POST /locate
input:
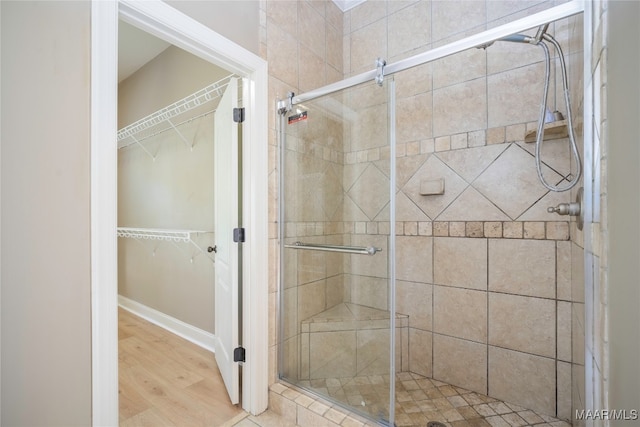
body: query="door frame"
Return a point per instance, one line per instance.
(167, 23)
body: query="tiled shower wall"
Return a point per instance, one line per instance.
(491, 282)
(302, 41)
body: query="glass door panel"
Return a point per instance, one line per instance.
(336, 330)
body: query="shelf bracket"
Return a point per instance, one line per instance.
(190, 146)
(144, 148)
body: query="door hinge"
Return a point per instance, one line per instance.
(239, 354)
(238, 235)
(238, 115)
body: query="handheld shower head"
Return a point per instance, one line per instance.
(518, 38)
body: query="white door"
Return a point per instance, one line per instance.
(226, 219)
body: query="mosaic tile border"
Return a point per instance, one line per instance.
(535, 230)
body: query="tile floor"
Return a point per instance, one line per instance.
(418, 401)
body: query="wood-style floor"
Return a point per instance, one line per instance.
(166, 380)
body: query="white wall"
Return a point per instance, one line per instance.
(46, 306)
(45, 218)
(236, 20)
(623, 189)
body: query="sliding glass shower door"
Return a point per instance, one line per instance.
(337, 330)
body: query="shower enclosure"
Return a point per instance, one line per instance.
(422, 277)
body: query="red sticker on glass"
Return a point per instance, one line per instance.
(298, 117)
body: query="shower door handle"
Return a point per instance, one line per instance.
(361, 250)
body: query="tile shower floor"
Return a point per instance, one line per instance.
(420, 400)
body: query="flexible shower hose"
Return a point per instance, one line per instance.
(543, 110)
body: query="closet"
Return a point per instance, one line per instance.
(167, 216)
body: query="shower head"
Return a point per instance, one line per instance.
(514, 38)
(521, 38)
(518, 38)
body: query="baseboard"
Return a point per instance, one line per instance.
(197, 336)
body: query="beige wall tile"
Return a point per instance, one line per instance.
(335, 290)
(366, 13)
(577, 333)
(414, 258)
(413, 81)
(367, 44)
(475, 229)
(407, 210)
(493, 229)
(369, 291)
(524, 267)
(416, 301)
(414, 118)
(503, 56)
(460, 108)
(432, 169)
(511, 182)
(512, 230)
(470, 162)
(366, 265)
(456, 229)
(409, 28)
(558, 230)
(311, 299)
(332, 354)
(523, 323)
(284, 14)
(523, 379)
(460, 262)
(334, 49)
(282, 63)
(312, 70)
(472, 206)
(311, 31)
(538, 211)
(446, 16)
(555, 154)
(459, 362)
(564, 331)
(460, 313)
(420, 352)
(563, 275)
(564, 391)
(459, 68)
(370, 130)
(370, 192)
(441, 228)
(534, 230)
(515, 132)
(514, 96)
(372, 352)
(577, 273)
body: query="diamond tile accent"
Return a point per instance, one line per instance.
(472, 206)
(538, 212)
(555, 153)
(370, 191)
(511, 182)
(434, 168)
(406, 210)
(470, 162)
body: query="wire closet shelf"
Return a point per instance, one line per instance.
(172, 236)
(129, 135)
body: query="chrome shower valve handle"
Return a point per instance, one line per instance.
(571, 209)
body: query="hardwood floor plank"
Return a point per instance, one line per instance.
(166, 380)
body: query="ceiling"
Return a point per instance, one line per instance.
(136, 48)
